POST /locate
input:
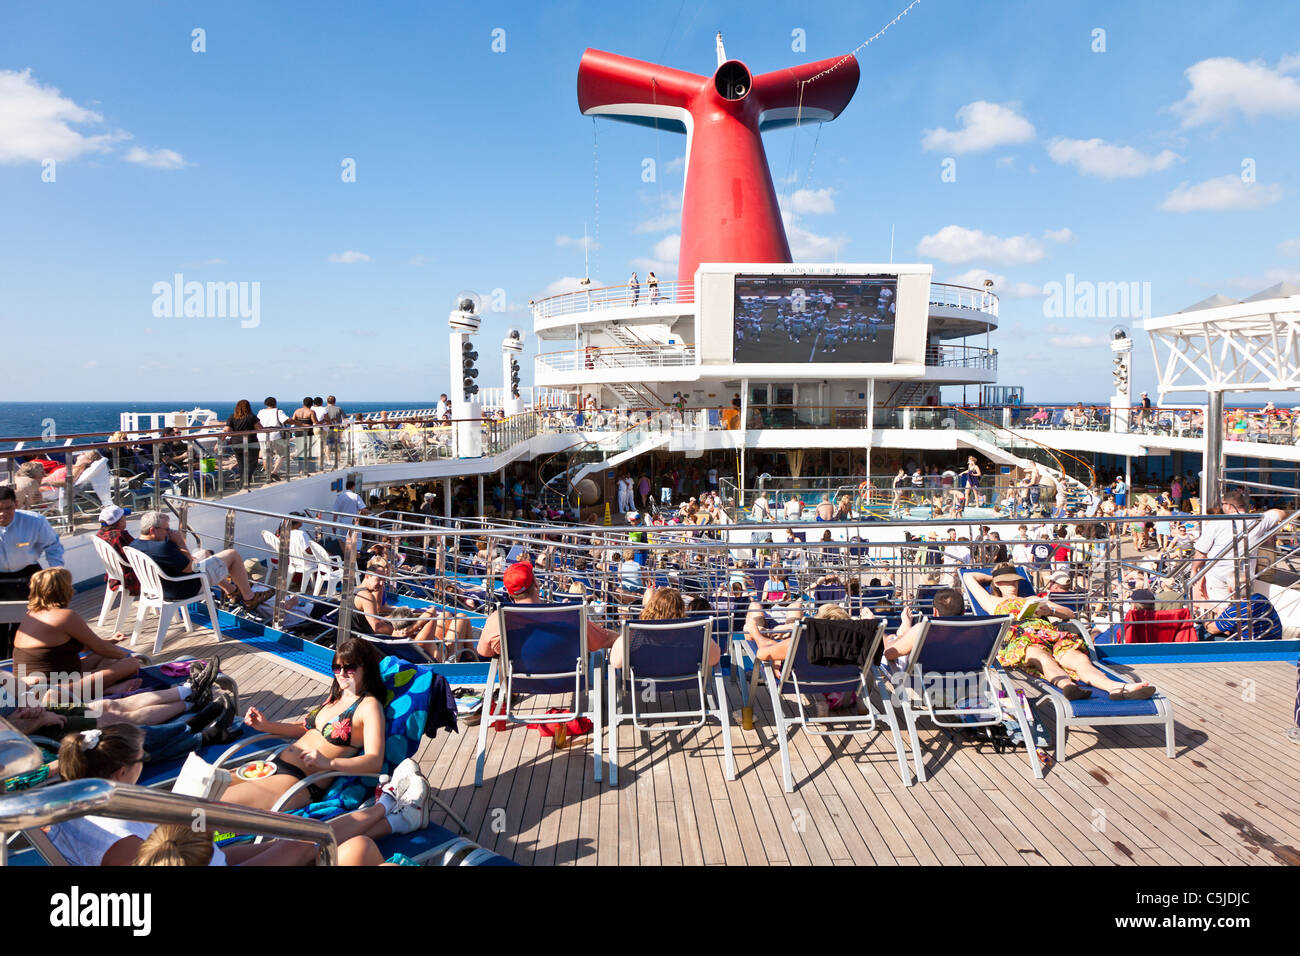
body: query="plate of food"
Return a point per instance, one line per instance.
(256, 770)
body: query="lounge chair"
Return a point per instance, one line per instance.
(800, 676)
(543, 651)
(953, 678)
(666, 655)
(1099, 709)
(406, 712)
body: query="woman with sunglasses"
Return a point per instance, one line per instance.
(346, 733)
(117, 752)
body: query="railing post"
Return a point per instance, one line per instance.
(194, 466)
(228, 538)
(220, 458)
(348, 588)
(114, 486)
(69, 487)
(157, 478)
(281, 576)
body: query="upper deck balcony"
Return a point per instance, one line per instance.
(955, 310)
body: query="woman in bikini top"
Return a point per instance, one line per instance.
(346, 733)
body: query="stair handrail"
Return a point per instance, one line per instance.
(1092, 473)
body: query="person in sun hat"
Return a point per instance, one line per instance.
(1059, 582)
(520, 584)
(112, 528)
(1035, 644)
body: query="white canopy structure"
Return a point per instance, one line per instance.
(1223, 345)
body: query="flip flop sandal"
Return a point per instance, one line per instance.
(1137, 693)
(1072, 690)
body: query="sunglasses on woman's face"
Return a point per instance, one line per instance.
(346, 669)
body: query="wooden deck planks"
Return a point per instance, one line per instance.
(1229, 797)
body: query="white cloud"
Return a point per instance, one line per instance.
(1096, 157)
(663, 257)
(419, 259)
(974, 278)
(1270, 277)
(349, 257)
(675, 165)
(36, 122)
(1059, 235)
(1289, 248)
(565, 284)
(1076, 341)
(1221, 86)
(958, 244)
(813, 201)
(812, 247)
(1005, 162)
(576, 241)
(984, 125)
(659, 223)
(157, 158)
(670, 216)
(1221, 194)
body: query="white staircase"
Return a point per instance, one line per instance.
(913, 393)
(636, 396)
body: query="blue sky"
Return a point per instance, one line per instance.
(474, 170)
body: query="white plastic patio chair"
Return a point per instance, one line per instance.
(116, 571)
(327, 570)
(151, 598)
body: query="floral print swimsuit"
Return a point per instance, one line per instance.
(1031, 631)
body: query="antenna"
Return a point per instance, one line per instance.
(722, 52)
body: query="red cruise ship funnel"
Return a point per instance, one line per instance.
(729, 209)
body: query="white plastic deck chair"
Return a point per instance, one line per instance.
(666, 655)
(802, 677)
(952, 677)
(151, 598)
(301, 562)
(543, 651)
(328, 570)
(272, 542)
(116, 571)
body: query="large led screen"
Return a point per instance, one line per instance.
(791, 318)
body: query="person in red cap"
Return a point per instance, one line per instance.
(521, 585)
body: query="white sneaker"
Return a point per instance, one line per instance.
(403, 779)
(408, 817)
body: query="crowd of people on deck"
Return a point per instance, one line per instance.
(54, 648)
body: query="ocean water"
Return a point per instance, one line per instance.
(57, 419)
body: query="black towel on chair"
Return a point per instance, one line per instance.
(442, 708)
(833, 643)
